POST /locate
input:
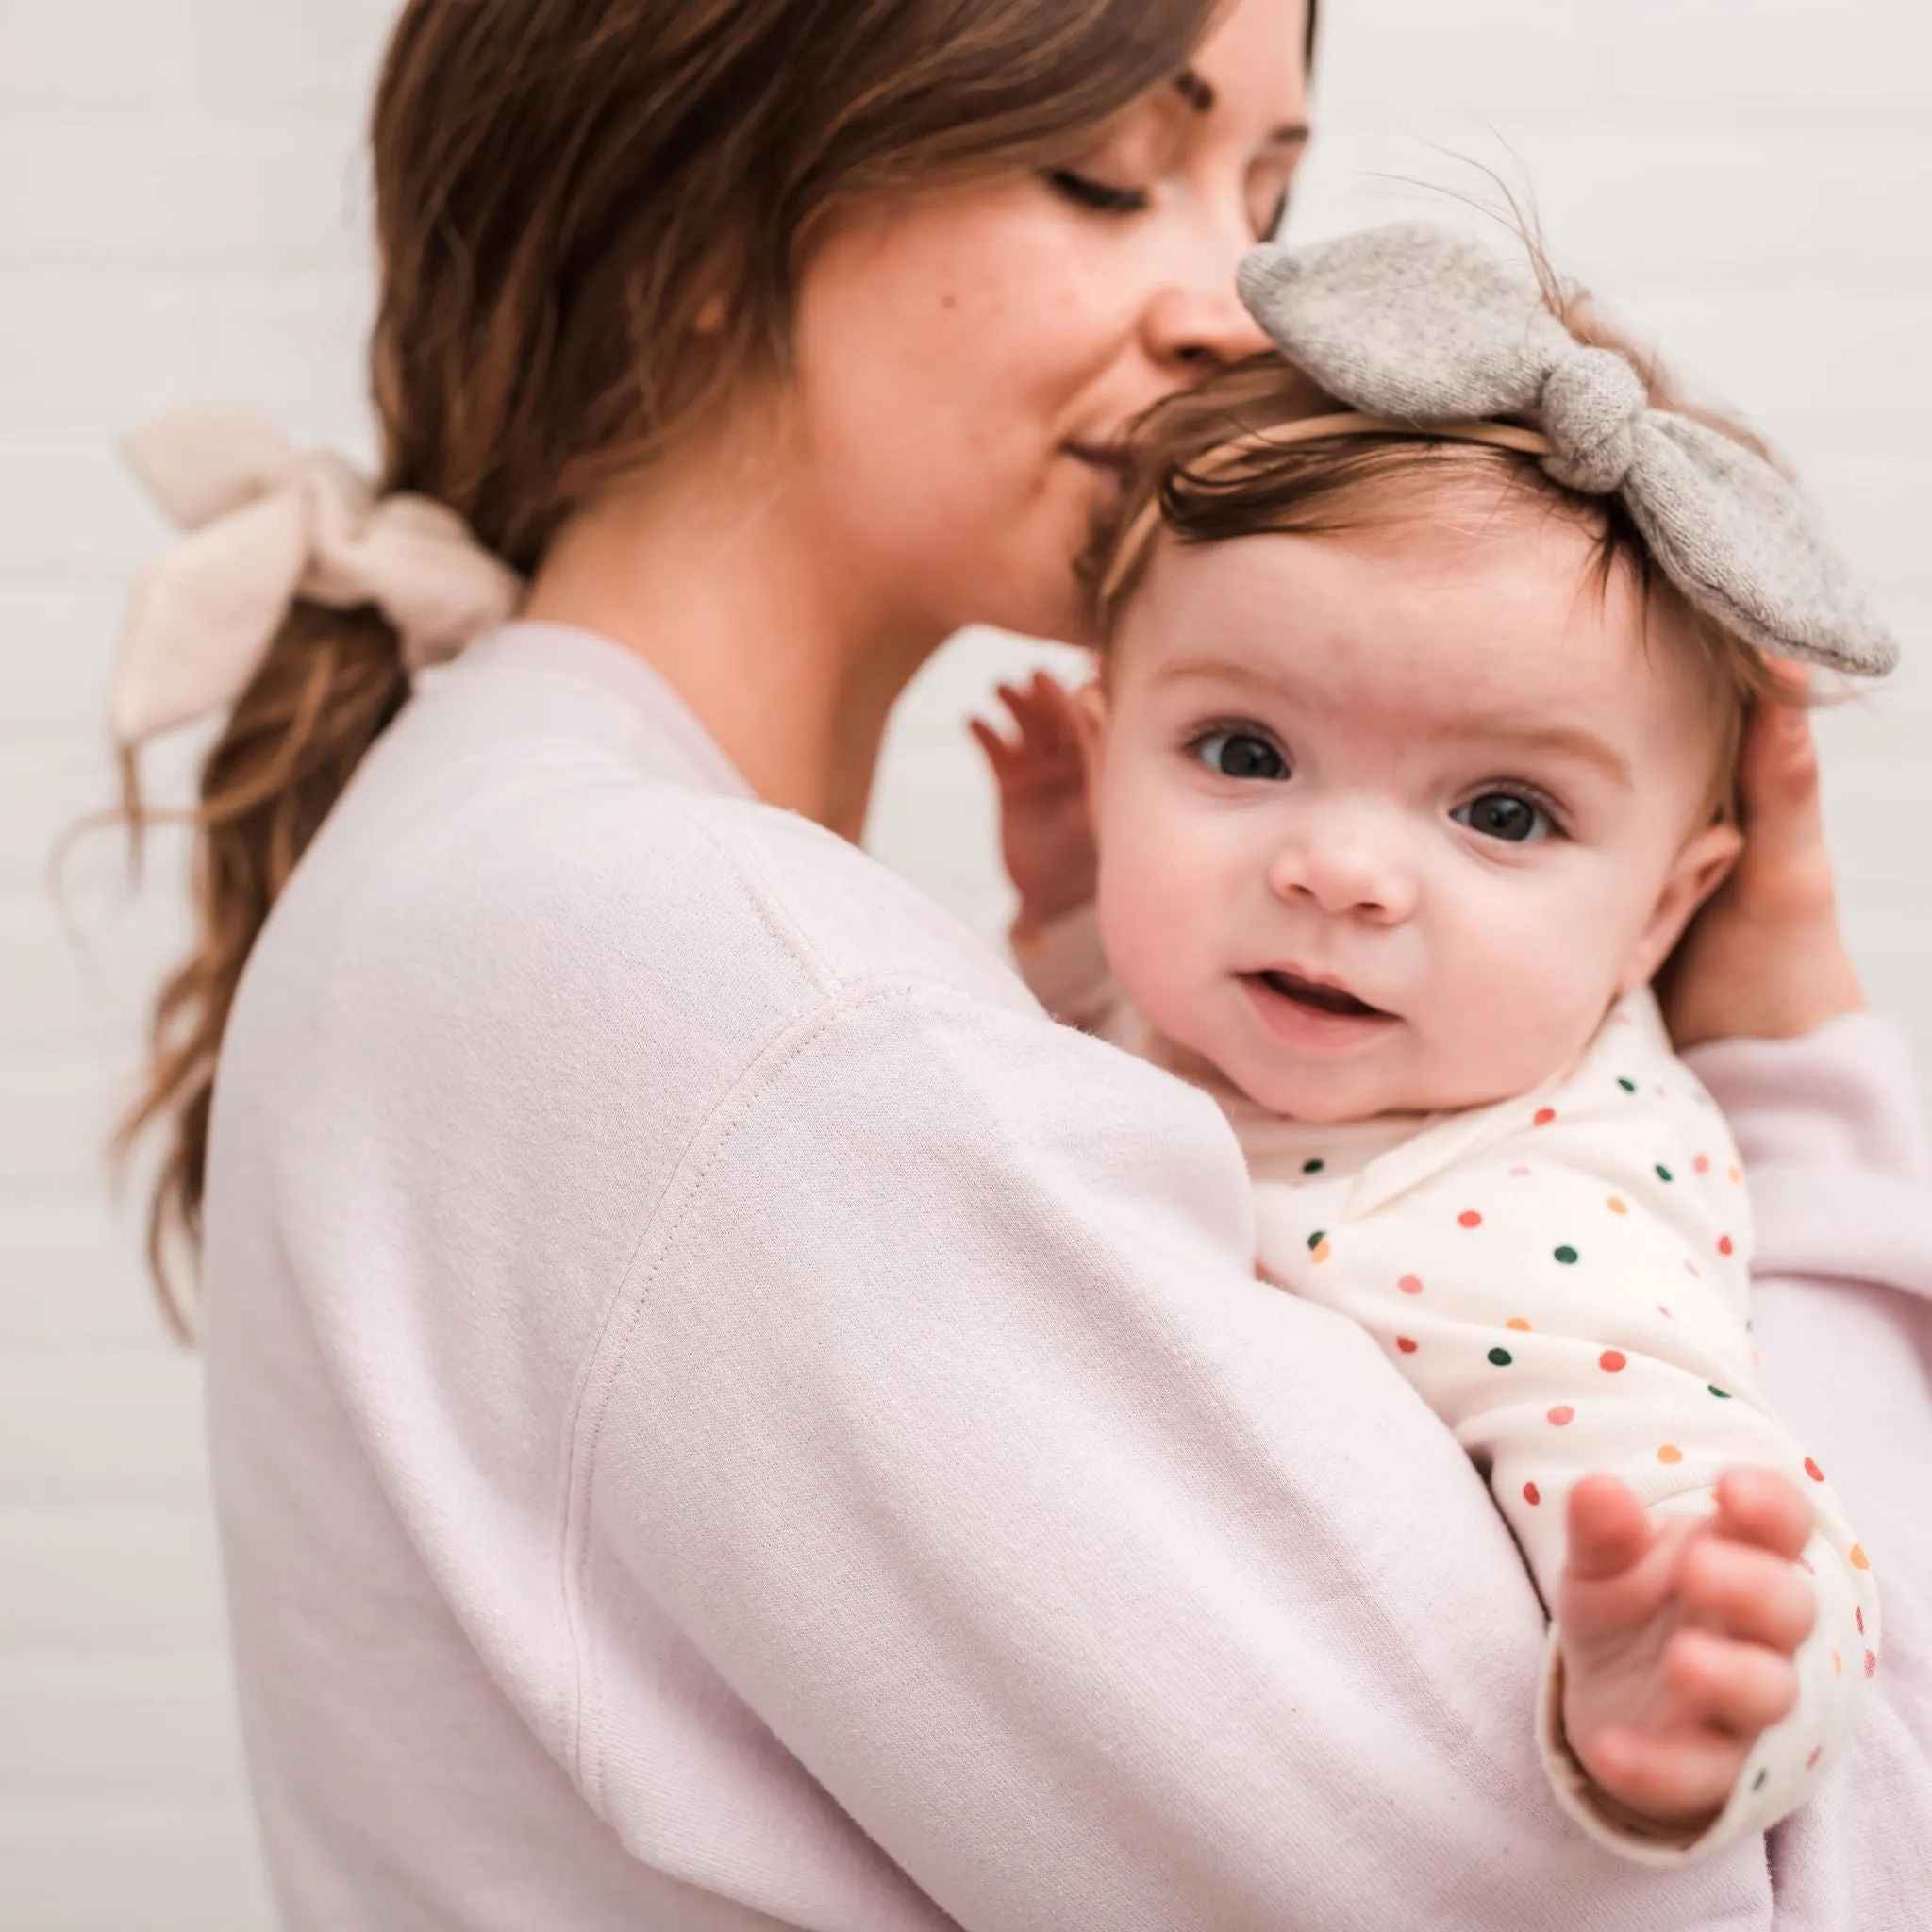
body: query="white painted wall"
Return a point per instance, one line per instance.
(180, 212)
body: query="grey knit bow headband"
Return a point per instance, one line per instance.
(1426, 329)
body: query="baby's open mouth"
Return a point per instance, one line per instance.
(1325, 999)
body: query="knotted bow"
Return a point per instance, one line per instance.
(1420, 326)
(266, 525)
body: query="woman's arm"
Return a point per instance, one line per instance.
(1099, 1584)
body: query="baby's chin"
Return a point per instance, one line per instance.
(1380, 1082)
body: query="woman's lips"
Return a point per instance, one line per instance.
(1110, 459)
(1313, 1014)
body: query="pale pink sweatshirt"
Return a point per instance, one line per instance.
(725, 1416)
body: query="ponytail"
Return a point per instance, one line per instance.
(330, 683)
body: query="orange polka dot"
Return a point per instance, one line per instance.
(1812, 1470)
(1544, 1115)
(1531, 1494)
(1517, 1322)
(1837, 1665)
(1611, 1361)
(1736, 1175)
(1406, 1344)
(1322, 1251)
(1562, 1415)
(1723, 1245)
(1670, 1452)
(1860, 1560)
(1409, 1284)
(1469, 1218)
(1617, 1205)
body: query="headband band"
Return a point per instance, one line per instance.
(1133, 544)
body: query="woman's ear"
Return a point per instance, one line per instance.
(1701, 868)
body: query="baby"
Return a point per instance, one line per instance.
(1427, 653)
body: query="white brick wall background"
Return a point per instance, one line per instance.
(180, 212)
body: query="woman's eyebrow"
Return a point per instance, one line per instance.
(1199, 94)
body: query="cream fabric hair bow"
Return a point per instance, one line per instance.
(268, 525)
(1425, 327)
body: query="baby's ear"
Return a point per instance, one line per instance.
(1701, 868)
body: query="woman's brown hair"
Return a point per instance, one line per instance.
(590, 217)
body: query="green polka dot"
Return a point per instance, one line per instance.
(1663, 1174)
(1628, 1086)
(1567, 1255)
(1316, 1239)
(1722, 1394)
(1500, 1357)
(1313, 1166)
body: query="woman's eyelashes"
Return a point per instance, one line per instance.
(1105, 197)
(1236, 751)
(1510, 818)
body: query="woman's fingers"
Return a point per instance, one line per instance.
(1740, 1687)
(1735, 1591)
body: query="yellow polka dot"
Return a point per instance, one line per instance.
(1837, 1665)
(1736, 1173)
(1617, 1205)
(1322, 1251)
(1670, 1452)
(1517, 1322)
(1859, 1559)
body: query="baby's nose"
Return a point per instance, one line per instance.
(1350, 871)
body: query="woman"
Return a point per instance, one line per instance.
(723, 1416)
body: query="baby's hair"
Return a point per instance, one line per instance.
(1201, 470)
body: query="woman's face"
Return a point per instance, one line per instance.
(969, 357)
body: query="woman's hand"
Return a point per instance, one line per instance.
(1046, 835)
(1765, 959)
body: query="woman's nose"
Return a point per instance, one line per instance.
(1356, 872)
(1192, 331)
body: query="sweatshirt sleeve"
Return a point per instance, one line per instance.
(1832, 1129)
(1096, 1582)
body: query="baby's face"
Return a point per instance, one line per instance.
(1387, 821)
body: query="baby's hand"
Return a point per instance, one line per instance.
(1678, 1635)
(1046, 836)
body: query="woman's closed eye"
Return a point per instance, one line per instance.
(1230, 752)
(1105, 197)
(1510, 818)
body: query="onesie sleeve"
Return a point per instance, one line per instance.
(1096, 1582)
(1566, 1285)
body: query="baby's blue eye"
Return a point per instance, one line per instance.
(1504, 815)
(1240, 754)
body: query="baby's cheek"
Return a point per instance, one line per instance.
(1158, 915)
(1524, 998)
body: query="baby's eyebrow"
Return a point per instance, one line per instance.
(1561, 740)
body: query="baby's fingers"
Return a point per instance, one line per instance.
(1761, 1507)
(1682, 1779)
(999, 754)
(1739, 1687)
(1741, 1592)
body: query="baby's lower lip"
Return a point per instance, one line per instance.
(1314, 1028)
